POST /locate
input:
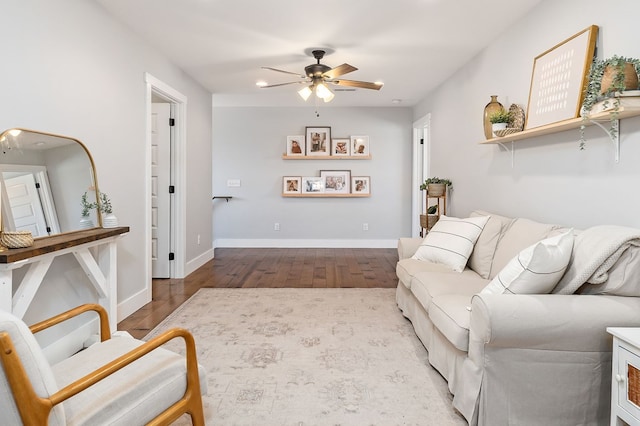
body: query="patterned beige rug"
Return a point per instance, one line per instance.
(305, 357)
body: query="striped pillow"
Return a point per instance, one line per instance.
(536, 269)
(451, 240)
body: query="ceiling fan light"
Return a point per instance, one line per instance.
(322, 91)
(330, 97)
(305, 92)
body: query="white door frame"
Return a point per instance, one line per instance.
(420, 168)
(178, 164)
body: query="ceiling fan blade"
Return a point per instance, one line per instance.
(284, 84)
(339, 70)
(360, 84)
(283, 71)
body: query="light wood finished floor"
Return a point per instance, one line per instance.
(268, 268)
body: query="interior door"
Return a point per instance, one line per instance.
(26, 208)
(160, 181)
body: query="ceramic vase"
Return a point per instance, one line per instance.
(490, 108)
(109, 221)
(86, 222)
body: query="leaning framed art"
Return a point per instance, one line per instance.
(295, 145)
(291, 185)
(360, 146)
(340, 147)
(336, 181)
(361, 185)
(558, 79)
(318, 140)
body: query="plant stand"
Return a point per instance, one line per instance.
(428, 220)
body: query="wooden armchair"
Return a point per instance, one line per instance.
(120, 380)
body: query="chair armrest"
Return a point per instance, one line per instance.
(407, 246)
(105, 333)
(550, 321)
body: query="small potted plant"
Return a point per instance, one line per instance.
(109, 220)
(85, 220)
(499, 120)
(607, 79)
(435, 186)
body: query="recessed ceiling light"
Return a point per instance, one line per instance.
(261, 83)
(396, 101)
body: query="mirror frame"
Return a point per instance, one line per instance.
(93, 174)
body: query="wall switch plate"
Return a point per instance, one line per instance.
(276, 226)
(233, 183)
(365, 226)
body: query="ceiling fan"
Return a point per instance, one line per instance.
(317, 76)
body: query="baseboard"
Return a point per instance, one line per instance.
(194, 264)
(133, 303)
(302, 243)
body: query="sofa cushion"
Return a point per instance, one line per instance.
(484, 250)
(536, 269)
(451, 241)
(521, 234)
(427, 285)
(406, 269)
(450, 314)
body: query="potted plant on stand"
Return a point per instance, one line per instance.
(85, 220)
(109, 220)
(607, 81)
(435, 186)
(499, 120)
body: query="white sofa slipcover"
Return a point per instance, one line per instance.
(514, 359)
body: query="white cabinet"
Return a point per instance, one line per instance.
(625, 383)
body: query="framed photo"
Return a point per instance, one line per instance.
(295, 145)
(361, 184)
(559, 78)
(291, 185)
(340, 147)
(312, 185)
(336, 181)
(318, 140)
(360, 145)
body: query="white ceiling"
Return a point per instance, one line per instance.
(410, 45)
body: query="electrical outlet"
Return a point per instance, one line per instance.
(365, 226)
(198, 239)
(233, 183)
(276, 226)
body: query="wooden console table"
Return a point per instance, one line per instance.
(100, 267)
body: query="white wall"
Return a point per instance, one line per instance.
(69, 68)
(248, 145)
(551, 179)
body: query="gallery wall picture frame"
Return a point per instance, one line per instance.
(296, 145)
(558, 79)
(292, 185)
(360, 146)
(318, 140)
(312, 185)
(336, 181)
(361, 185)
(341, 147)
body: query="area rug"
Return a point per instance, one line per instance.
(304, 357)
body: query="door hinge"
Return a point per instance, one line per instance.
(421, 141)
(172, 256)
(172, 189)
(37, 185)
(172, 122)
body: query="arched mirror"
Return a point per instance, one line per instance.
(43, 178)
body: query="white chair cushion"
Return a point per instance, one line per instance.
(133, 395)
(36, 366)
(536, 269)
(451, 241)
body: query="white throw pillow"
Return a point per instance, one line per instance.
(536, 269)
(451, 241)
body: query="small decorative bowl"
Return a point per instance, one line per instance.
(16, 239)
(507, 131)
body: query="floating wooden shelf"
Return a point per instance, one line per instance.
(325, 195)
(326, 157)
(573, 123)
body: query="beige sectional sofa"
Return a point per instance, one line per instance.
(520, 359)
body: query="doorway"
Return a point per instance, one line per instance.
(166, 172)
(421, 158)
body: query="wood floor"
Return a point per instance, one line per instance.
(268, 268)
